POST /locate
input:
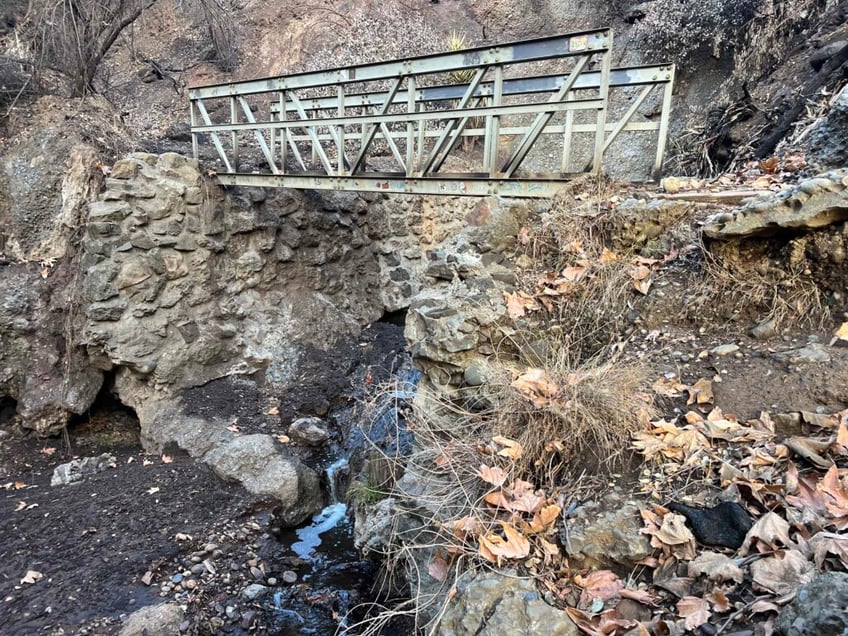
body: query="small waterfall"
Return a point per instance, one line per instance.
(309, 537)
(336, 474)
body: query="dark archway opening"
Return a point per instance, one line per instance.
(8, 409)
(108, 422)
(394, 317)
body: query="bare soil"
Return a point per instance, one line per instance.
(115, 541)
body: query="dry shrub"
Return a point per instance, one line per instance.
(592, 315)
(580, 424)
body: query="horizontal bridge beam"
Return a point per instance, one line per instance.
(394, 118)
(400, 184)
(619, 77)
(558, 46)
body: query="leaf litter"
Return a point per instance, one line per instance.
(799, 511)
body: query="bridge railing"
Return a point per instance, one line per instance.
(395, 125)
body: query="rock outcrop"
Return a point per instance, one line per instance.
(501, 605)
(811, 204)
(827, 143)
(818, 607)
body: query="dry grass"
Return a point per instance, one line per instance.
(584, 429)
(737, 283)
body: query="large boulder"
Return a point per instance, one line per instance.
(254, 461)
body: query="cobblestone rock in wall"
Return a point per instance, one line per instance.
(183, 285)
(454, 320)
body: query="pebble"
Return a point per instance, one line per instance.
(190, 584)
(247, 619)
(210, 547)
(256, 573)
(254, 591)
(723, 350)
(272, 580)
(289, 576)
(177, 578)
(231, 612)
(198, 569)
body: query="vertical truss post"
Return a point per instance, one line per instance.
(284, 133)
(601, 123)
(193, 117)
(665, 115)
(340, 132)
(567, 137)
(492, 132)
(410, 127)
(234, 134)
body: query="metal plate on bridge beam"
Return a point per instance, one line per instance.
(399, 184)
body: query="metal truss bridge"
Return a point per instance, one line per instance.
(515, 119)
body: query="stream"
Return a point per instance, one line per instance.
(332, 578)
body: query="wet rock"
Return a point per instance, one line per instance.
(309, 431)
(812, 203)
(818, 607)
(290, 576)
(254, 461)
(498, 605)
(254, 591)
(163, 619)
(606, 533)
(79, 469)
(725, 524)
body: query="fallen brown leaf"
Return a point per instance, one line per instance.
(599, 584)
(716, 567)
(494, 475)
(770, 532)
(536, 386)
(718, 599)
(512, 450)
(496, 548)
(694, 611)
(32, 576)
(438, 567)
(782, 573)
